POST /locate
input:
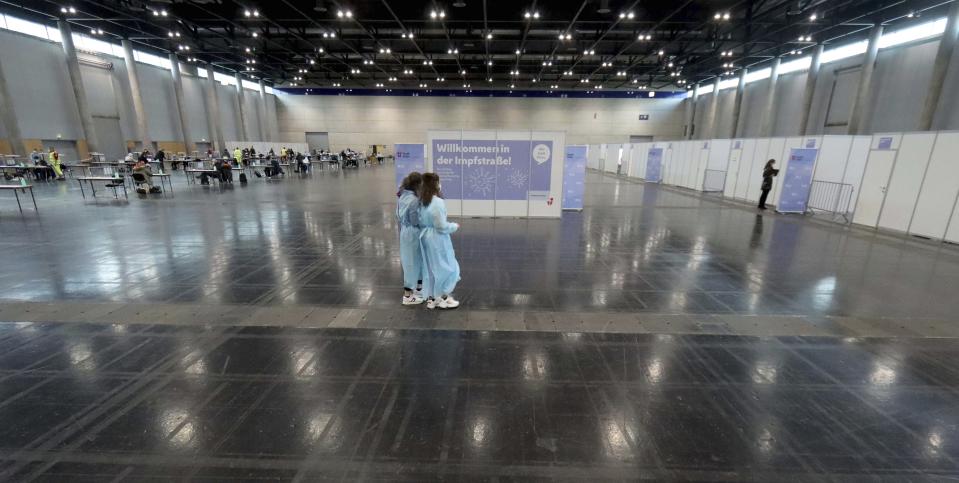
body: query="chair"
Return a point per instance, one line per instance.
(138, 179)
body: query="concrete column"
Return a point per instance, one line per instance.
(239, 101)
(947, 44)
(261, 117)
(213, 112)
(769, 114)
(856, 124)
(73, 68)
(811, 78)
(178, 94)
(138, 110)
(738, 104)
(692, 115)
(8, 116)
(713, 107)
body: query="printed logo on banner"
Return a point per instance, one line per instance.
(409, 158)
(885, 143)
(810, 143)
(706, 145)
(737, 145)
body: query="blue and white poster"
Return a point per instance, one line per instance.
(409, 158)
(541, 167)
(574, 177)
(479, 170)
(654, 165)
(448, 164)
(797, 181)
(512, 170)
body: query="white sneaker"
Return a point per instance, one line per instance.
(431, 304)
(448, 303)
(414, 299)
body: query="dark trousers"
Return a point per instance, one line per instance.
(762, 198)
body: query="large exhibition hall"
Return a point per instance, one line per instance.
(476, 240)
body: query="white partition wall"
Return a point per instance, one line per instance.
(906, 179)
(702, 163)
(637, 157)
(733, 167)
(593, 156)
(875, 179)
(856, 165)
(613, 153)
(940, 188)
(741, 184)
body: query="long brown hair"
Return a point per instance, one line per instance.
(769, 164)
(411, 182)
(429, 188)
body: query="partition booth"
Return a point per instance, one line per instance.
(904, 182)
(265, 147)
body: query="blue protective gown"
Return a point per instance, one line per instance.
(411, 257)
(442, 270)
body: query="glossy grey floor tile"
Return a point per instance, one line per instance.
(329, 239)
(134, 402)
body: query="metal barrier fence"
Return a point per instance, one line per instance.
(714, 181)
(830, 197)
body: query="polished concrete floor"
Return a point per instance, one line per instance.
(254, 334)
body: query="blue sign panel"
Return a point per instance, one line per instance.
(409, 158)
(654, 165)
(574, 177)
(797, 181)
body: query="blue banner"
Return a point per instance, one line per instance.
(797, 181)
(409, 158)
(574, 177)
(654, 165)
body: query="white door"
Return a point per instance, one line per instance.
(875, 182)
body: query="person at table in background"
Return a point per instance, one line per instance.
(130, 158)
(768, 173)
(143, 168)
(411, 256)
(53, 157)
(238, 156)
(302, 164)
(224, 170)
(252, 152)
(442, 269)
(209, 153)
(160, 157)
(43, 172)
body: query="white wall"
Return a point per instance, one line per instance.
(358, 121)
(898, 93)
(45, 105)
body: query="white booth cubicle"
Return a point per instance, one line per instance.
(903, 182)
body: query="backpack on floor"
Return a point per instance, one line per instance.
(258, 174)
(242, 177)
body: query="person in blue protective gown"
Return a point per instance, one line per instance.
(442, 269)
(411, 257)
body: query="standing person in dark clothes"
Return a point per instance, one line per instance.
(768, 173)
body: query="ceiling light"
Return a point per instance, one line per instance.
(512, 86)
(670, 64)
(813, 17)
(313, 62)
(489, 63)
(661, 53)
(517, 52)
(726, 16)
(535, 14)
(911, 14)
(489, 36)
(255, 35)
(534, 81)
(247, 13)
(527, 15)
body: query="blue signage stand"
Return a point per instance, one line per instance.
(574, 177)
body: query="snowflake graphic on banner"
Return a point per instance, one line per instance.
(481, 182)
(517, 179)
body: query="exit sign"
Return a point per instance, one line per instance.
(644, 117)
